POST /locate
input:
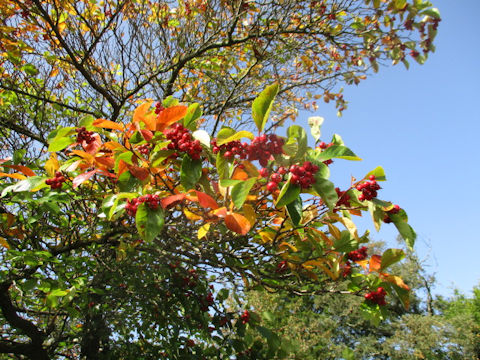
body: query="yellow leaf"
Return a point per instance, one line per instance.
(191, 216)
(284, 245)
(267, 236)
(349, 224)
(203, 230)
(334, 231)
(52, 165)
(249, 213)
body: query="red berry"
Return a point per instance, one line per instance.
(263, 172)
(272, 186)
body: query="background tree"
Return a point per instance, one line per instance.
(330, 327)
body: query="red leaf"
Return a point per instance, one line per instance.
(137, 171)
(93, 147)
(83, 177)
(147, 134)
(172, 200)
(206, 201)
(237, 223)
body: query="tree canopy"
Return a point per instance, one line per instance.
(125, 228)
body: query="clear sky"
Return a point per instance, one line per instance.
(422, 126)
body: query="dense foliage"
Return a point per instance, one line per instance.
(123, 232)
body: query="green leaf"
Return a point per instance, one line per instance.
(236, 136)
(378, 172)
(273, 340)
(346, 243)
(229, 182)
(170, 101)
(337, 140)
(315, 123)
(224, 133)
(432, 13)
(60, 143)
(24, 185)
(406, 231)
(295, 210)
(288, 193)
(298, 133)
(149, 222)
(222, 166)
(400, 4)
(326, 190)
(18, 156)
(262, 106)
(190, 173)
(391, 256)
(338, 152)
(194, 111)
(240, 192)
(222, 294)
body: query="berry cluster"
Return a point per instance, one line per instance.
(84, 135)
(57, 181)
(358, 255)
(151, 200)
(377, 297)
(394, 210)
(368, 189)
(231, 149)
(144, 149)
(343, 198)
(323, 145)
(303, 175)
(158, 108)
(245, 317)
(182, 140)
(264, 146)
(275, 178)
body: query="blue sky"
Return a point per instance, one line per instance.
(422, 126)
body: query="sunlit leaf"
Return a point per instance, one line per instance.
(262, 106)
(237, 223)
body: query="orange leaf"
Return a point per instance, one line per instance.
(107, 124)
(355, 212)
(237, 223)
(169, 116)
(145, 115)
(13, 176)
(83, 177)
(206, 201)
(23, 169)
(172, 200)
(375, 263)
(122, 167)
(88, 157)
(239, 174)
(137, 171)
(220, 212)
(397, 281)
